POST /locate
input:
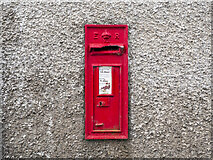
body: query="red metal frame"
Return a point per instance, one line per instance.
(106, 45)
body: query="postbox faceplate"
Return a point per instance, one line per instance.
(106, 81)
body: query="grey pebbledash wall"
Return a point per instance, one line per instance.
(169, 78)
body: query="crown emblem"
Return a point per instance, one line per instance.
(106, 35)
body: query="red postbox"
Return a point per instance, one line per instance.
(106, 82)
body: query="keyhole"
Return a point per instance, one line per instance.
(100, 103)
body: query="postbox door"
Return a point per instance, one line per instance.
(106, 105)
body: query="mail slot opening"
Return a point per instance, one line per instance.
(107, 48)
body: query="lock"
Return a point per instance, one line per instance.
(106, 81)
(102, 102)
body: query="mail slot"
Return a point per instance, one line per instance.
(106, 81)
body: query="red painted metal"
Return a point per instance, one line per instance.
(106, 50)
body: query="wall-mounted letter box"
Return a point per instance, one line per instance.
(106, 81)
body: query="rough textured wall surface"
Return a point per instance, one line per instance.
(1, 83)
(169, 79)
